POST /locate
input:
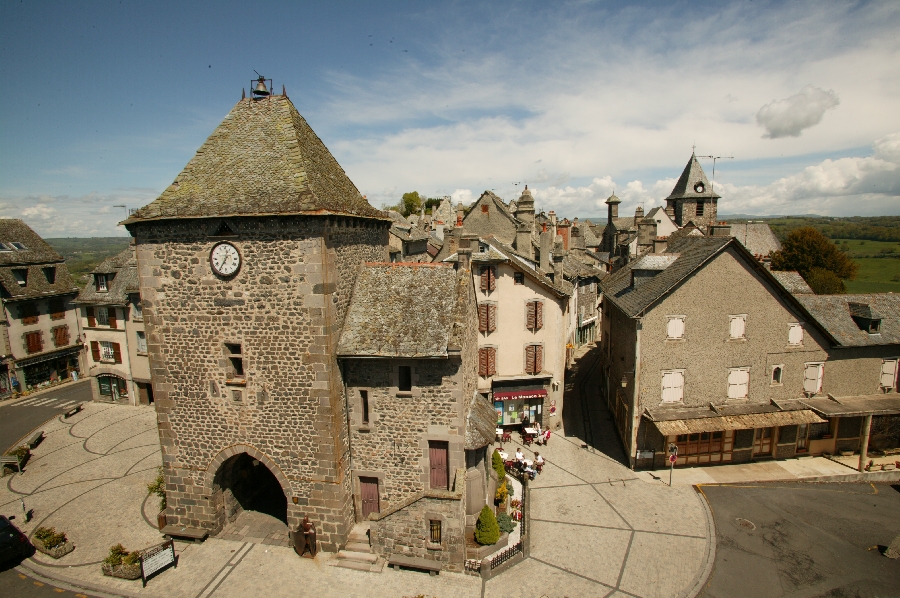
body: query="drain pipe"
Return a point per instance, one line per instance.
(864, 444)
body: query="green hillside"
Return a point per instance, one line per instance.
(82, 254)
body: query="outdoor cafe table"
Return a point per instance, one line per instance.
(503, 455)
(531, 431)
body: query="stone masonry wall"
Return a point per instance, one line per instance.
(284, 307)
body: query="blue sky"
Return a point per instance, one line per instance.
(107, 101)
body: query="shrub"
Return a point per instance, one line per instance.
(158, 487)
(49, 537)
(505, 523)
(119, 556)
(486, 529)
(502, 493)
(19, 452)
(497, 464)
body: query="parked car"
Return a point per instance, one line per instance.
(13, 543)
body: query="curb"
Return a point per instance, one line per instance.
(75, 585)
(702, 577)
(31, 395)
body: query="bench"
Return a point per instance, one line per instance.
(190, 533)
(11, 460)
(400, 560)
(36, 439)
(73, 410)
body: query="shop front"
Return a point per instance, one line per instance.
(515, 406)
(112, 388)
(49, 369)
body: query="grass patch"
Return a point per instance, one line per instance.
(879, 265)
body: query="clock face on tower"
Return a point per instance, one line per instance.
(698, 187)
(225, 259)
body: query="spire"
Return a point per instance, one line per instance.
(692, 183)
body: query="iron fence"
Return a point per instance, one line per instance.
(506, 555)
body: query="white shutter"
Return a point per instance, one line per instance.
(737, 327)
(795, 334)
(812, 377)
(672, 387)
(738, 383)
(888, 373)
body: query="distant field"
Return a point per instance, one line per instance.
(84, 254)
(879, 265)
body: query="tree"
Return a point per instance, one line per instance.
(806, 250)
(825, 282)
(411, 203)
(499, 467)
(486, 529)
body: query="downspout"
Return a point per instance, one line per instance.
(635, 414)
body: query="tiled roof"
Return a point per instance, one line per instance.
(654, 261)
(633, 300)
(833, 312)
(123, 284)
(404, 310)
(36, 250)
(562, 288)
(757, 237)
(626, 223)
(262, 159)
(481, 423)
(792, 282)
(690, 176)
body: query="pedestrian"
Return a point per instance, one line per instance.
(538, 462)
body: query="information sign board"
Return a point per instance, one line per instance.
(156, 558)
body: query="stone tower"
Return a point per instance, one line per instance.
(612, 211)
(693, 199)
(246, 264)
(525, 207)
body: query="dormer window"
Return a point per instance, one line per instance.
(21, 276)
(865, 317)
(100, 280)
(50, 274)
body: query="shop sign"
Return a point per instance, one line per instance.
(520, 394)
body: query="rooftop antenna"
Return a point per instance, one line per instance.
(712, 183)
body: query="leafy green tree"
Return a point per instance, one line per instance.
(497, 464)
(825, 282)
(486, 529)
(806, 249)
(411, 203)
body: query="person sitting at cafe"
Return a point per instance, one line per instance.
(520, 456)
(538, 462)
(546, 437)
(528, 471)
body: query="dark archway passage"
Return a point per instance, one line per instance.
(247, 484)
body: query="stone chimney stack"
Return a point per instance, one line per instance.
(660, 244)
(638, 215)
(460, 213)
(546, 242)
(552, 216)
(464, 253)
(439, 230)
(559, 254)
(523, 240)
(562, 229)
(646, 231)
(525, 207)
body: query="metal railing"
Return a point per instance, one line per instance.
(506, 555)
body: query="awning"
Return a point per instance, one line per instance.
(881, 404)
(23, 363)
(520, 394)
(737, 422)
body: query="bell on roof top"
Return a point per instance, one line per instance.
(260, 89)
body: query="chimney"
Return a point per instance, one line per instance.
(459, 214)
(439, 230)
(646, 231)
(562, 229)
(722, 229)
(559, 254)
(552, 216)
(670, 211)
(464, 253)
(638, 214)
(545, 250)
(660, 244)
(523, 240)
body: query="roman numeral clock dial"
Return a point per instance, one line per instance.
(225, 259)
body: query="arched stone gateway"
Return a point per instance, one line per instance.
(246, 481)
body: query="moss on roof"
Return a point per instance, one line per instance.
(262, 159)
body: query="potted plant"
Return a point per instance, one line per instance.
(501, 496)
(121, 563)
(158, 487)
(51, 542)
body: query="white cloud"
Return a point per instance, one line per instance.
(44, 212)
(790, 116)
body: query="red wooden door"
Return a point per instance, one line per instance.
(368, 490)
(437, 457)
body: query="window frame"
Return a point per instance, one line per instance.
(669, 320)
(101, 283)
(518, 278)
(737, 317)
(531, 363)
(794, 326)
(141, 345)
(102, 317)
(234, 353)
(107, 351)
(779, 367)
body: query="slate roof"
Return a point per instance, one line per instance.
(404, 310)
(690, 176)
(757, 237)
(626, 223)
(590, 239)
(124, 283)
(262, 159)
(833, 312)
(694, 252)
(404, 230)
(481, 423)
(561, 288)
(37, 251)
(793, 282)
(654, 261)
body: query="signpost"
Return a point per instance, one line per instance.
(673, 457)
(157, 558)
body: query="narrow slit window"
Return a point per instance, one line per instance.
(235, 355)
(364, 401)
(777, 373)
(435, 529)
(405, 378)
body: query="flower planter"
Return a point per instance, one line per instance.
(122, 571)
(55, 552)
(888, 466)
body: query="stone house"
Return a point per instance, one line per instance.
(111, 317)
(703, 348)
(407, 243)
(419, 431)
(246, 265)
(40, 343)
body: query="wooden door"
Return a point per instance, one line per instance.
(437, 457)
(368, 491)
(762, 443)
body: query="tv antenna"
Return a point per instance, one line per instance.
(712, 183)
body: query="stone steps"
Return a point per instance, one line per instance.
(357, 554)
(363, 557)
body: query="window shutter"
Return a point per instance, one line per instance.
(672, 387)
(737, 327)
(491, 318)
(117, 353)
(529, 315)
(738, 381)
(529, 359)
(112, 317)
(888, 373)
(484, 277)
(538, 315)
(92, 321)
(490, 281)
(95, 350)
(482, 362)
(482, 318)
(812, 378)
(491, 361)
(675, 328)
(538, 359)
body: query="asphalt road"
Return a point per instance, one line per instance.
(20, 416)
(15, 583)
(812, 540)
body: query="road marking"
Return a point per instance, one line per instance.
(39, 584)
(58, 590)
(235, 560)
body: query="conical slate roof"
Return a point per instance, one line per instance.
(692, 174)
(262, 159)
(612, 199)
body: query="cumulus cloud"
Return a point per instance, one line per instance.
(44, 212)
(790, 116)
